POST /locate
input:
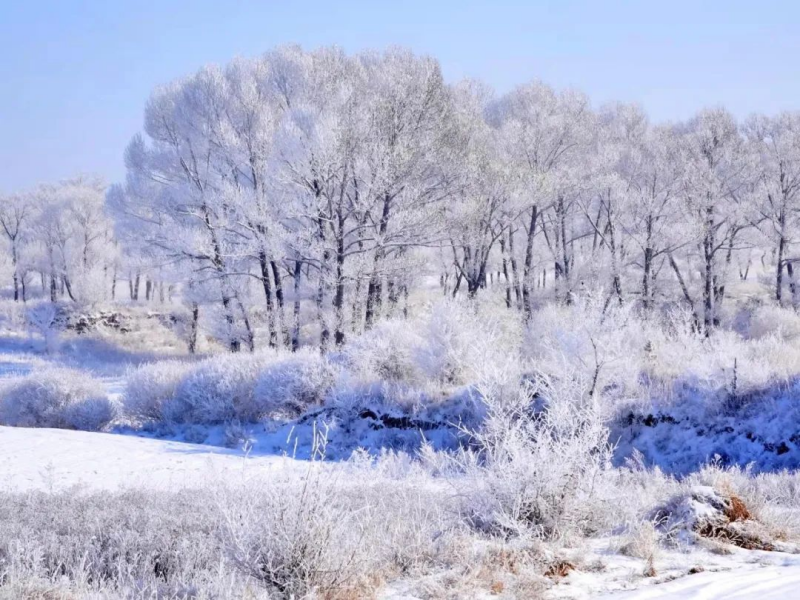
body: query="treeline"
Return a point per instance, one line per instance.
(321, 190)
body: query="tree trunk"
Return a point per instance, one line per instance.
(648, 265)
(279, 300)
(250, 337)
(68, 286)
(792, 284)
(685, 290)
(193, 328)
(505, 271)
(708, 272)
(375, 287)
(265, 282)
(298, 270)
(526, 270)
(779, 270)
(514, 272)
(338, 295)
(16, 274)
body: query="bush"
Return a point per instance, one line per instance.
(130, 544)
(534, 471)
(601, 349)
(331, 531)
(387, 352)
(217, 390)
(151, 386)
(773, 320)
(464, 341)
(291, 386)
(56, 397)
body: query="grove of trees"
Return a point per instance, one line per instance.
(310, 194)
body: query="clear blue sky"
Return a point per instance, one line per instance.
(75, 74)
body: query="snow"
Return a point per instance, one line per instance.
(51, 459)
(763, 430)
(767, 583)
(56, 459)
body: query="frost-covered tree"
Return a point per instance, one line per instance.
(715, 194)
(544, 133)
(16, 218)
(776, 143)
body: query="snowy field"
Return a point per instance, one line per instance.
(57, 460)
(126, 458)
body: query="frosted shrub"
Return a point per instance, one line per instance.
(464, 341)
(773, 320)
(535, 471)
(601, 349)
(217, 389)
(297, 540)
(128, 544)
(12, 315)
(722, 365)
(91, 414)
(61, 398)
(290, 386)
(43, 320)
(387, 352)
(150, 386)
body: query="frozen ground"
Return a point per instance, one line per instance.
(57, 458)
(755, 583)
(52, 459)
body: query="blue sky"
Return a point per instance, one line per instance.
(76, 74)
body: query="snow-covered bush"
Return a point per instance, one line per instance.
(719, 367)
(535, 470)
(465, 341)
(229, 387)
(217, 389)
(150, 386)
(770, 320)
(387, 352)
(114, 544)
(13, 317)
(56, 397)
(600, 348)
(43, 319)
(295, 539)
(290, 386)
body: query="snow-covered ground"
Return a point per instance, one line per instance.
(57, 458)
(755, 583)
(52, 459)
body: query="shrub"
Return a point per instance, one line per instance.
(46, 319)
(773, 320)
(217, 390)
(464, 341)
(150, 386)
(56, 397)
(533, 471)
(602, 349)
(290, 386)
(387, 352)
